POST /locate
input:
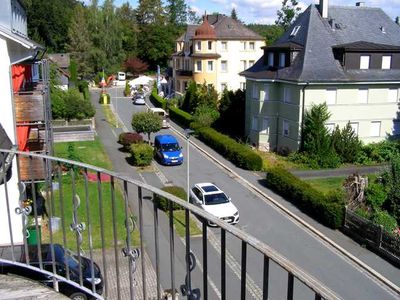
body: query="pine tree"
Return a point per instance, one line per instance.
(234, 14)
(177, 12)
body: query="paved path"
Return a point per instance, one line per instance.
(339, 172)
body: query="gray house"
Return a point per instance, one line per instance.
(62, 61)
(347, 57)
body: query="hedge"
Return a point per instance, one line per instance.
(240, 155)
(305, 197)
(142, 154)
(163, 203)
(181, 117)
(157, 100)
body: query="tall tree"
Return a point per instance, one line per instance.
(288, 13)
(127, 16)
(234, 14)
(270, 32)
(150, 12)
(177, 12)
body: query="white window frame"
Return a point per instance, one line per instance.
(282, 58)
(252, 46)
(255, 92)
(354, 126)
(198, 45)
(251, 63)
(287, 94)
(210, 66)
(224, 46)
(331, 96)
(393, 95)
(254, 123)
(295, 30)
(363, 95)
(224, 86)
(266, 92)
(386, 62)
(365, 62)
(375, 129)
(330, 127)
(271, 59)
(265, 126)
(244, 64)
(285, 128)
(199, 63)
(224, 63)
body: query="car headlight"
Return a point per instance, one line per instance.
(236, 214)
(165, 156)
(96, 280)
(180, 155)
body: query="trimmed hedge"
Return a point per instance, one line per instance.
(142, 154)
(163, 203)
(305, 197)
(181, 117)
(157, 100)
(240, 155)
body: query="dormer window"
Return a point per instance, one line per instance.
(364, 62)
(386, 62)
(281, 60)
(270, 59)
(295, 31)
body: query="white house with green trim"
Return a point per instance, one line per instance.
(347, 57)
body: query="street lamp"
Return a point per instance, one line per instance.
(188, 132)
(116, 107)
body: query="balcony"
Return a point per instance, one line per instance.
(114, 227)
(185, 73)
(29, 107)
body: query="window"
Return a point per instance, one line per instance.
(251, 46)
(331, 96)
(251, 63)
(354, 126)
(386, 62)
(243, 45)
(285, 128)
(243, 86)
(363, 96)
(281, 60)
(265, 126)
(255, 91)
(295, 31)
(210, 66)
(224, 46)
(177, 65)
(209, 45)
(186, 64)
(330, 127)
(198, 45)
(198, 65)
(286, 95)
(254, 123)
(243, 64)
(224, 66)
(364, 62)
(270, 59)
(392, 95)
(178, 85)
(375, 128)
(266, 92)
(223, 86)
(185, 85)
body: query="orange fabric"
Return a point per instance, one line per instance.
(22, 135)
(20, 73)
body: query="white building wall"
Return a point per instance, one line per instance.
(7, 121)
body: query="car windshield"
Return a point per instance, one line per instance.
(170, 147)
(218, 198)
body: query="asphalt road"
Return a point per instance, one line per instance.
(267, 223)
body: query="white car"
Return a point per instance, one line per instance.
(139, 99)
(213, 200)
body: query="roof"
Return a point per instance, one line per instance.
(316, 38)
(205, 31)
(208, 187)
(166, 138)
(24, 41)
(61, 59)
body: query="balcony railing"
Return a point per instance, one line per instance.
(187, 73)
(94, 211)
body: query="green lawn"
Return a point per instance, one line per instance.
(325, 185)
(179, 221)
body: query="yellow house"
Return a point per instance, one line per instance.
(215, 52)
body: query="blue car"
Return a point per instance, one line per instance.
(167, 150)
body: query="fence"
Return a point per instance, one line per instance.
(372, 235)
(65, 123)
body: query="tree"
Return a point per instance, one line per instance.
(346, 143)
(177, 12)
(205, 115)
(146, 122)
(150, 12)
(234, 14)
(129, 28)
(189, 99)
(288, 13)
(271, 33)
(392, 183)
(207, 95)
(135, 65)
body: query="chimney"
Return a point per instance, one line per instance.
(398, 20)
(323, 8)
(361, 3)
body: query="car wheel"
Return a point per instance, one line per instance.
(78, 296)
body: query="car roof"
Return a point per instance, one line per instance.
(208, 187)
(157, 109)
(165, 138)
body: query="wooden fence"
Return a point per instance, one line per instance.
(372, 235)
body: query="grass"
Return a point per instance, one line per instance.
(110, 116)
(179, 222)
(325, 185)
(271, 159)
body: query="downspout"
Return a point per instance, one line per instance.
(302, 113)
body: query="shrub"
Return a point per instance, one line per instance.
(305, 197)
(346, 143)
(375, 195)
(142, 154)
(363, 213)
(181, 117)
(382, 217)
(239, 154)
(83, 87)
(126, 139)
(379, 152)
(127, 90)
(205, 115)
(157, 100)
(163, 203)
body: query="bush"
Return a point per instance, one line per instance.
(205, 115)
(163, 203)
(240, 155)
(157, 100)
(127, 90)
(379, 152)
(142, 154)
(306, 198)
(126, 139)
(83, 87)
(181, 117)
(375, 195)
(382, 217)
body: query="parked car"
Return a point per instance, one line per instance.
(167, 150)
(139, 99)
(212, 199)
(63, 258)
(162, 113)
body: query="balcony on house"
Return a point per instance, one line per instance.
(184, 73)
(114, 225)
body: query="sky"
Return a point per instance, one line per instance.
(264, 11)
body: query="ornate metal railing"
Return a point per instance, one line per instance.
(93, 211)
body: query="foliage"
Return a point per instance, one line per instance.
(73, 71)
(105, 99)
(205, 115)
(379, 152)
(327, 210)
(234, 15)
(142, 154)
(126, 139)
(206, 95)
(271, 33)
(146, 122)
(346, 143)
(83, 87)
(127, 89)
(72, 155)
(375, 195)
(135, 65)
(181, 117)
(163, 203)
(288, 13)
(240, 155)
(177, 12)
(363, 213)
(150, 12)
(189, 100)
(157, 100)
(381, 217)
(392, 185)
(70, 104)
